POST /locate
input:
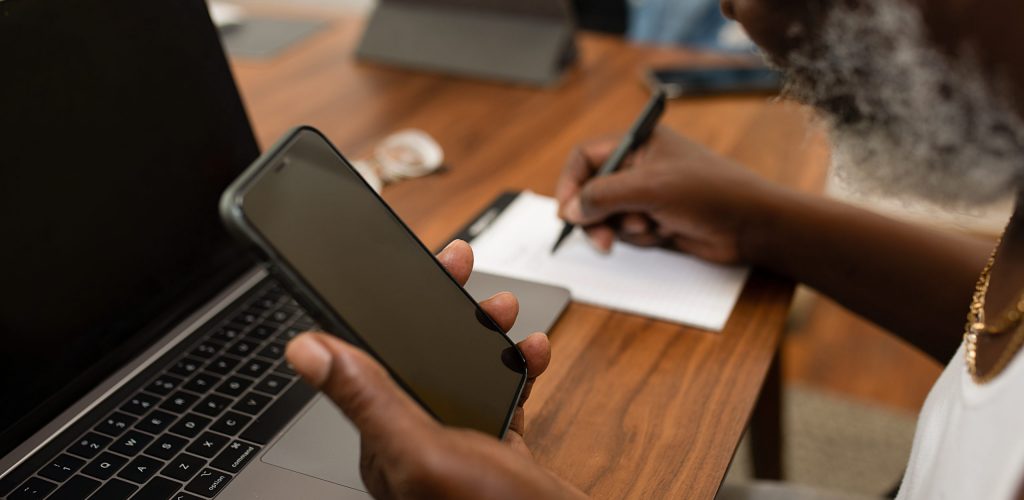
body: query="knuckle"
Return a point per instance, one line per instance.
(421, 472)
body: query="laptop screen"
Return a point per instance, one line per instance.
(120, 125)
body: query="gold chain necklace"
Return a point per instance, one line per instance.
(976, 326)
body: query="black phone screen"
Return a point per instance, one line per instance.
(356, 257)
(705, 81)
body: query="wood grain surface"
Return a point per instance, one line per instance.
(630, 407)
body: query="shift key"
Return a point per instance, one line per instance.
(235, 456)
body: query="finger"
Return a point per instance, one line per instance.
(601, 237)
(457, 258)
(634, 225)
(601, 197)
(360, 387)
(537, 350)
(515, 442)
(583, 161)
(503, 308)
(643, 240)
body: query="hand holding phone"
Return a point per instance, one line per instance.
(359, 271)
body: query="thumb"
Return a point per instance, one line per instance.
(360, 386)
(605, 196)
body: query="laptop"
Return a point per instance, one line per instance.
(143, 349)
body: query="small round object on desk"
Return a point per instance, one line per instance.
(408, 153)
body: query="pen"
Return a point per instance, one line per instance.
(636, 137)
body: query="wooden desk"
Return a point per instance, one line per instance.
(630, 407)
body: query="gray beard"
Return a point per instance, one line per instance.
(906, 120)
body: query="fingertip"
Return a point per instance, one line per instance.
(601, 238)
(573, 210)
(310, 357)
(457, 258)
(536, 348)
(502, 307)
(504, 299)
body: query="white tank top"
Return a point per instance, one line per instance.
(969, 441)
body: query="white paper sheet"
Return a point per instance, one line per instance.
(651, 282)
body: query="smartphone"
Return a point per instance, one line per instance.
(361, 273)
(683, 82)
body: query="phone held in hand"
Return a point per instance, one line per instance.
(347, 258)
(694, 82)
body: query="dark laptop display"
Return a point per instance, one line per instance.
(119, 128)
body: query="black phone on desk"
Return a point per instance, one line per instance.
(358, 270)
(685, 82)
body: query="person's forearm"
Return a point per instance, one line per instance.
(915, 281)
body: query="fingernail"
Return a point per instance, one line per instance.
(310, 359)
(597, 246)
(634, 227)
(443, 255)
(573, 211)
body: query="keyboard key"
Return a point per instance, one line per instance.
(158, 489)
(223, 365)
(306, 324)
(132, 443)
(32, 489)
(89, 445)
(105, 465)
(285, 368)
(208, 483)
(252, 403)
(266, 302)
(190, 425)
(273, 350)
(260, 332)
(76, 488)
(183, 467)
(207, 445)
(181, 495)
(272, 384)
(206, 350)
(254, 368)
(243, 348)
(235, 456)
(62, 467)
(289, 334)
(115, 424)
(267, 425)
(231, 423)
(234, 386)
(179, 402)
(115, 489)
(140, 404)
(227, 334)
(203, 382)
(141, 469)
(212, 405)
(155, 422)
(247, 318)
(166, 446)
(164, 384)
(186, 367)
(282, 315)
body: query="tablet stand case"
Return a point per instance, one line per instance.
(522, 41)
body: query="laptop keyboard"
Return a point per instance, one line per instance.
(196, 424)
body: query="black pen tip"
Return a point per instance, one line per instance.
(566, 229)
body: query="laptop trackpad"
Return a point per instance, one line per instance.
(322, 444)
